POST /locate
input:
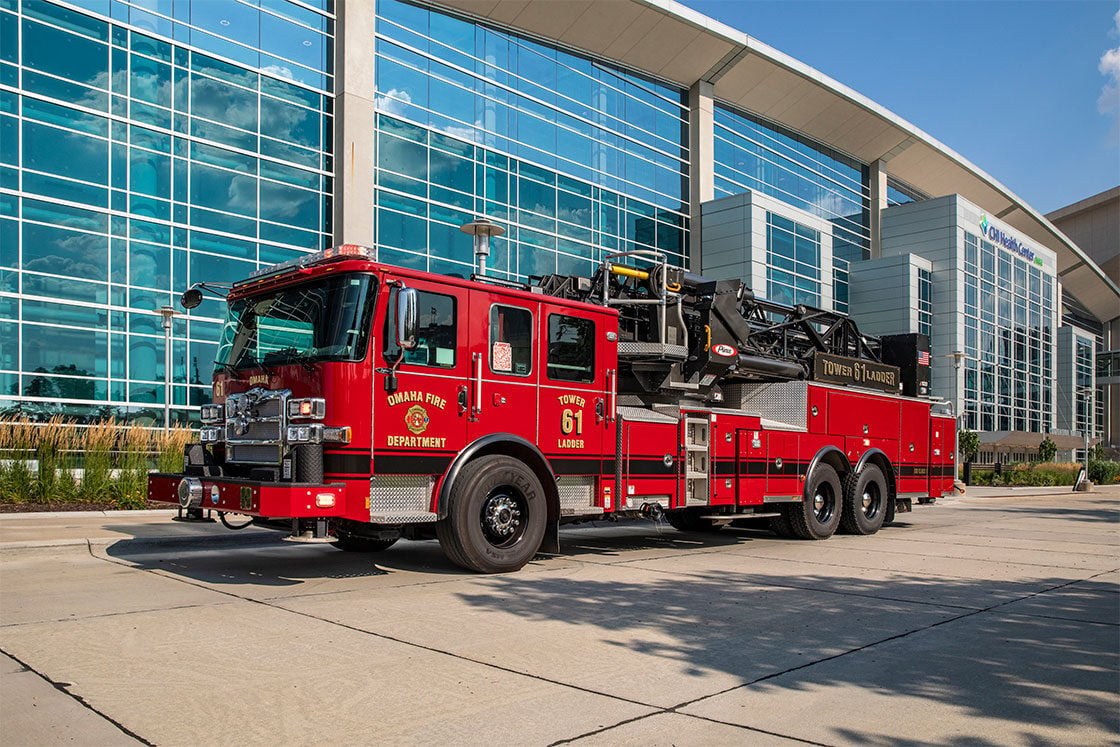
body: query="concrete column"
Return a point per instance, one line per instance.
(701, 159)
(878, 204)
(354, 122)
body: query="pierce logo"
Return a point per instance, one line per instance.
(724, 350)
(416, 419)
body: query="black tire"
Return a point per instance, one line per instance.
(353, 543)
(689, 520)
(817, 515)
(865, 501)
(496, 516)
(779, 525)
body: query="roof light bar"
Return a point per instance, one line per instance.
(342, 251)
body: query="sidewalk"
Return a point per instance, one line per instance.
(981, 491)
(59, 529)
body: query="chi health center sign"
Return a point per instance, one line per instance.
(1009, 242)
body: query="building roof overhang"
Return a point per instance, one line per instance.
(678, 44)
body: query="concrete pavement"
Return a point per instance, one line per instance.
(989, 618)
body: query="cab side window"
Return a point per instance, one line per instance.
(438, 331)
(571, 348)
(511, 340)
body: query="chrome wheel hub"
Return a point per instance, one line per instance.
(501, 515)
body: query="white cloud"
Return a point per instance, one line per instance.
(278, 71)
(393, 102)
(1109, 102)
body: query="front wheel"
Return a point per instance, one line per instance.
(495, 516)
(817, 515)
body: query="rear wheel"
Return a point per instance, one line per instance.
(495, 516)
(817, 515)
(865, 501)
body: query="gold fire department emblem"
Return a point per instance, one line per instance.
(416, 419)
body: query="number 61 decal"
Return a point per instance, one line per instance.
(571, 422)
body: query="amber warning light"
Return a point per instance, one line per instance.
(342, 251)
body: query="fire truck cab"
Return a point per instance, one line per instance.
(358, 403)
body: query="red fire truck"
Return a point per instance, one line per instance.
(359, 403)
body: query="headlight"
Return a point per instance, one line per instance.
(317, 434)
(312, 408)
(212, 413)
(209, 435)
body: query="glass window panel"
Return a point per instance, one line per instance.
(511, 340)
(64, 288)
(65, 153)
(58, 251)
(402, 156)
(223, 190)
(284, 204)
(149, 173)
(86, 60)
(401, 231)
(288, 122)
(55, 349)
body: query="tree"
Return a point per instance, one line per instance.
(1047, 449)
(968, 444)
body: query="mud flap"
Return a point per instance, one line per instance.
(550, 543)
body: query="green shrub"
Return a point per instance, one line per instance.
(17, 449)
(1103, 472)
(1036, 474)
(170, 447)
(97, 475)
(131, 488)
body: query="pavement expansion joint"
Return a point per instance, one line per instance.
(383, 636)
(64, 687)
(888, 639)
(85, 618)
(673, 710)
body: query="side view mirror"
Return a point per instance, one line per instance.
(408, 319)
(191, 298)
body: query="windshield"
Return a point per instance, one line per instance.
(326, 319)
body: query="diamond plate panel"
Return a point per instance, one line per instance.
(577, 494)
(400, 499)
(784, 401)
(627, 349)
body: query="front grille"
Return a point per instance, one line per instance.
(253, 453)
(258, 432)
(255, 424)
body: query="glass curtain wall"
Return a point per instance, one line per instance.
(752, 153)
(1008, 338)
(573, 157)
(793, 262)
(925, 302)
(143, 147)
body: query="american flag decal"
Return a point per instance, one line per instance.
(923, 357)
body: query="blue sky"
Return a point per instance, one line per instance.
(1014, 87)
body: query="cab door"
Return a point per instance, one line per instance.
(420, 423)
(503, 338)
(573, 382)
